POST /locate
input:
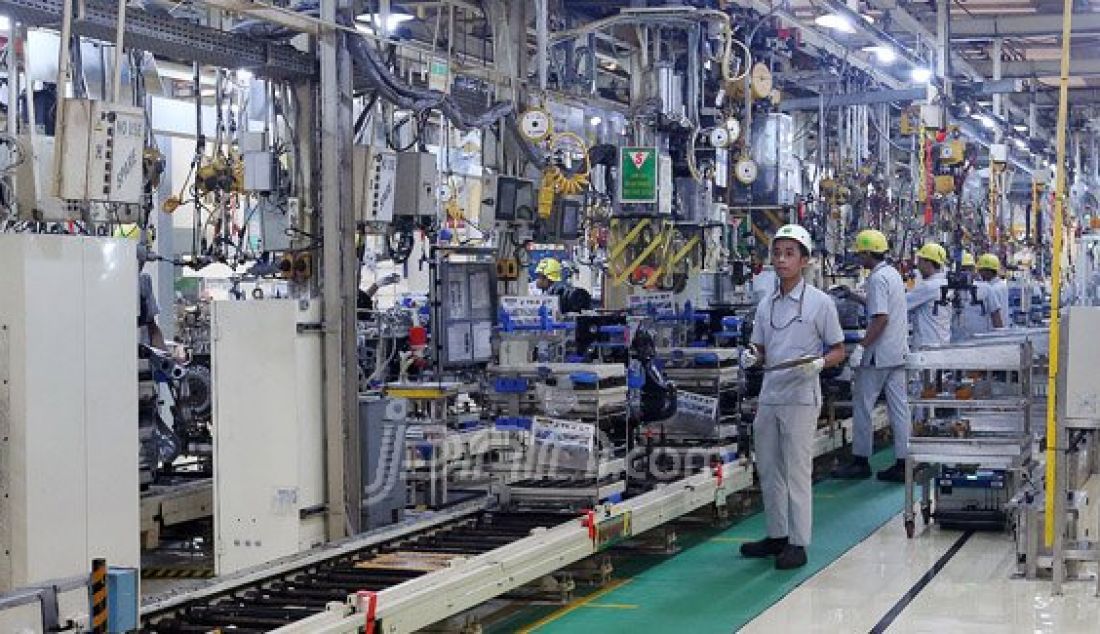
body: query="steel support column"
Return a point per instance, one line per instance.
(338, 268)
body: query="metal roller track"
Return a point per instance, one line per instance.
(171, 38)
(278, 601)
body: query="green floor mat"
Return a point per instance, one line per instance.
(708, 587)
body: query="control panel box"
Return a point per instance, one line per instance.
(375, 183)
(416, 189)
(102, 152)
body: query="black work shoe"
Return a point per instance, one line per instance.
(767, 547)
(896, 473)
(791, 557)
(855, 470)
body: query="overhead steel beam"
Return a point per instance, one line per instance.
(270, 13)
(853, 99)
(1077, 97)
(983, 89)
(170, 38)
(897, 15)
(819, 40)
(987, 28)
(1079, 67)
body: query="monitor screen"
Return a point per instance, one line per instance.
(570, 225)
(506, 198)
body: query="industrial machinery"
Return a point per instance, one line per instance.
(380, 400)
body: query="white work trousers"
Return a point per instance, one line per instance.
(783, 437)
(868, 384)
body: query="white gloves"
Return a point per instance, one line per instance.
(856, 358)
(813, 368)
(750, 356)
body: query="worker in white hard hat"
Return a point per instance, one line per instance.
(879, 362)
(551, 280)
(981, 310)
(796, 334)
(930, 317)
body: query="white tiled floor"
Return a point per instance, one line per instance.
(974, 593)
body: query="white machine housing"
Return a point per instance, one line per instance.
(68, 406)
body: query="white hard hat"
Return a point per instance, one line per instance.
(797, 233)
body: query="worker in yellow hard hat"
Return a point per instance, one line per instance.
(879, 361)
(982, 309)
(149, 332)
(931, 322)
(989, 269)
(550, 278)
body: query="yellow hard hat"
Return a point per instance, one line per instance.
(933, 253)
(871, 241)
(550, 267)
(128, 230)
(968, 258)
(989, 262)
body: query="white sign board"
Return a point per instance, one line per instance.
(525, 309)
(662, 302)
(693, 404)
(567, 434)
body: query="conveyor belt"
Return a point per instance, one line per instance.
(275, 602)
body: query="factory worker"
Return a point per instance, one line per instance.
(989, 269)
(149, 332)
(550, 280)
(794, 323)
(879, 362)
(931, 321)
(980, 312)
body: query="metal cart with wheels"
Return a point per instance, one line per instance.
(977, 423)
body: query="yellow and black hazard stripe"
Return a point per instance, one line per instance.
(99, 595)
(177, 573)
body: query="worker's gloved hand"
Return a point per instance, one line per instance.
(389, 280)
(750, 356)
(856, 358)
(813, 368)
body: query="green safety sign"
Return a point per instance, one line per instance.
(638, 175)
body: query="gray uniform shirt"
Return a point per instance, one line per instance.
(147, 306)
(800, 323)
(886, 296)
(976, 318)
(1000, 287)
(931, 322)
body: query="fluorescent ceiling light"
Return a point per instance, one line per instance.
(595, 120)
(374, 19)
(884, 54)
(921, 75)
(1019, 127)
(835, 21)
